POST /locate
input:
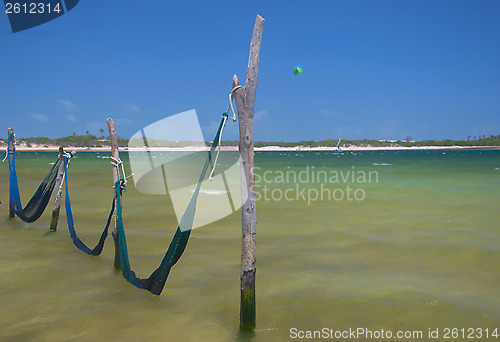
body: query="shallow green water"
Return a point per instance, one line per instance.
(420, 250)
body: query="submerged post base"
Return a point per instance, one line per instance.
(55, 219)
(247, 305)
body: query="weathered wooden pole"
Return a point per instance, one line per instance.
(58, 187)
(113, 138)
(12, 149)
(245, 101)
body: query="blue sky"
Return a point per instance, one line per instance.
(372, 69)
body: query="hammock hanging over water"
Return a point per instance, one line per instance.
(156, 281)
(71, 227)
(37, 204)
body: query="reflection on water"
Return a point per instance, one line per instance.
(420, 251)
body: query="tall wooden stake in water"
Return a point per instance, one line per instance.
(12, 149)
(58, 188)
(113, 137)
(245, 100)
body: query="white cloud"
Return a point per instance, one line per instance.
(39, 117)
(260, 114)
(132, 107)
(70, 118)
(67, 104)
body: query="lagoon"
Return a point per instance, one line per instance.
(419, 251)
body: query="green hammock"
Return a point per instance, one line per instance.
(157, 279)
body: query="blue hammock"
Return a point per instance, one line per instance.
(71, 227)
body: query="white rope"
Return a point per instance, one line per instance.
(59, 192)
(117, 162)
(7, 149)
(231, 102)
(218, 152)
(68, 156)
(222, 128)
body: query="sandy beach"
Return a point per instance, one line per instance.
(351, 148)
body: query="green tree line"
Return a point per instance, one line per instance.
(90, 140)
(87, 140)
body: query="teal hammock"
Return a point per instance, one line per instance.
(37, 204)
(156, 281)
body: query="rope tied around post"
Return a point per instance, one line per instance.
(225, 116)
(68, 156)
(59, 187)
(231, 102)
(6, 152)
(118, 163)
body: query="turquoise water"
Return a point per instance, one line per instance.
(417, 247)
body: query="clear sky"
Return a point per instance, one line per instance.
(380, 69)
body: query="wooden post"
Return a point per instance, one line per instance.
(113, 137)
(12, 149)
(245, 100)
(57, 186)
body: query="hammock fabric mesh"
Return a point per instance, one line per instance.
(156, 281)
(37, 204)
(71, 226)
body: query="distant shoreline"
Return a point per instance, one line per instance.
(51, 148)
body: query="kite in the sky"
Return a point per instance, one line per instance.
(298, 70)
